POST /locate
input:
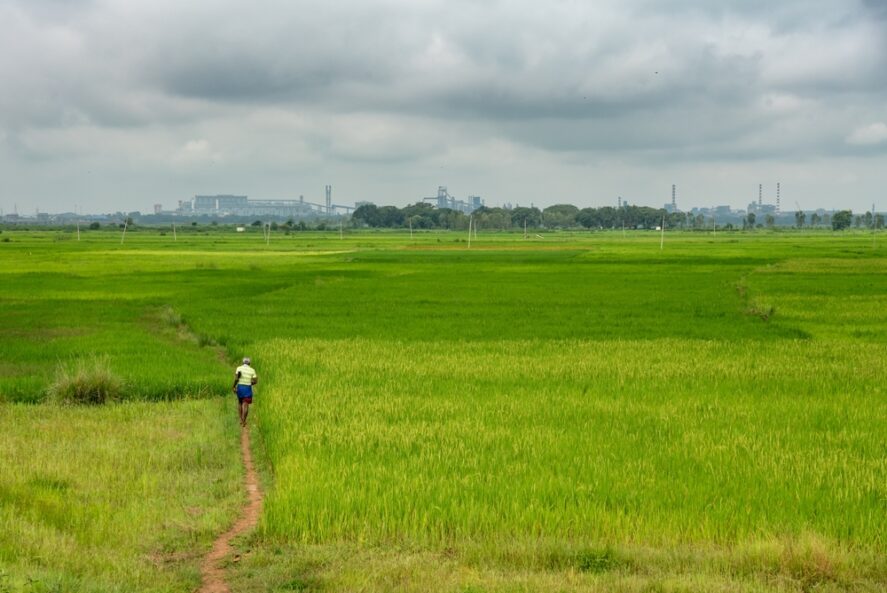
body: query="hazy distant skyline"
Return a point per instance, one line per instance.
(113, 105)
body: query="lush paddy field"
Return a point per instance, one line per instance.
(578, 412)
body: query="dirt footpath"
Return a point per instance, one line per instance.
(213, 576)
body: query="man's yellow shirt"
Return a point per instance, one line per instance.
(247, 374)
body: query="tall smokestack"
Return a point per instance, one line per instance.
(760, 194)
(778, 210)
(674, 202)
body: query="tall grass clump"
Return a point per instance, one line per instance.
(87, 381)
(171, 317)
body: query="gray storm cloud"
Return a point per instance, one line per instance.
(387, 97)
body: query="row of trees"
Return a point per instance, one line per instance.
(843, 219)
(424, 216)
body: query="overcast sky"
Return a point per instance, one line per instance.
(119, 104)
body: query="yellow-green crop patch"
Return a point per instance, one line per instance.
(658, 441)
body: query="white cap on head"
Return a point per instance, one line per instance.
(246, 360)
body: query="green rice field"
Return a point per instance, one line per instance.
(577, 412)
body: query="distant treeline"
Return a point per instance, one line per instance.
(425, 216)
(563, 216)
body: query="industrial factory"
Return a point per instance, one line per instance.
(231, 205)
(444, 200)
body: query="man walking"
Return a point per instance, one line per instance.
(244, 378)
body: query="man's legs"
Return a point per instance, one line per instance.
(244, 412)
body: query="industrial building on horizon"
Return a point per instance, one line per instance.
(444, 200)
(222, 205)
(755, 207)
(233, 205)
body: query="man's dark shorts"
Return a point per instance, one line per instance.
(245, 393)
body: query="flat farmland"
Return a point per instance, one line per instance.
(581, 411)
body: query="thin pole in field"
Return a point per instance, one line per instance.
(341, 232)
(411, 228)
(78, 229)
(525, 228)
(268, 235)
(623, 229)
(714, 225)
(123, 236)
(662, 236)
(469, 231)
(174, 238)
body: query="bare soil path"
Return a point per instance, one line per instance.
(213, 575)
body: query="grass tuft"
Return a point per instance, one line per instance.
(597, 561)
(810, 561)
(171, 317)
(88, 381)
(762, 310)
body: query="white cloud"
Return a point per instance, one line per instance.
(196, 151)
(869, 135)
